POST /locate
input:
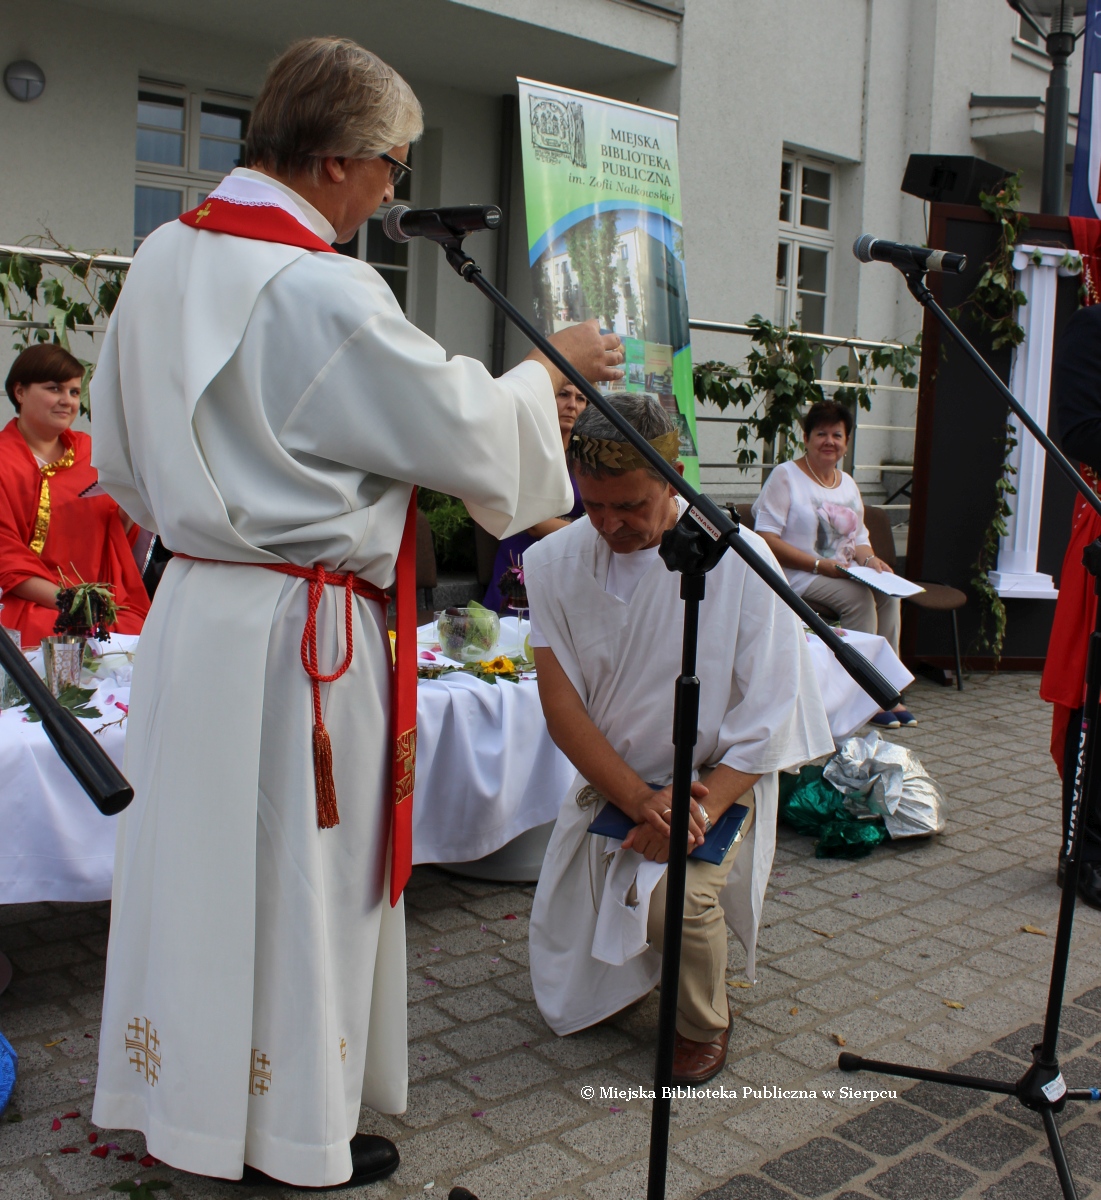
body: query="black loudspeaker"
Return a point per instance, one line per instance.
(952, 178)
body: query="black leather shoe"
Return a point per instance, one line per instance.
(1089, 883)
(373, 1158)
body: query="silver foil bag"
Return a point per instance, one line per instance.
(878, 778)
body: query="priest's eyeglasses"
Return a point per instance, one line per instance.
(398, 169)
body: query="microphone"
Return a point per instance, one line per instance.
(867, 248)
(403, 223)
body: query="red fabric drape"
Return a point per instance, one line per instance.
(1064, 679)
(86, 540)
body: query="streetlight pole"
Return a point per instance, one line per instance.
(1059, 39)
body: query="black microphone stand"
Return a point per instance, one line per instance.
(693, 547)
(1041, 1088)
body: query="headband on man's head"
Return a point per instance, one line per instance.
(614, 455)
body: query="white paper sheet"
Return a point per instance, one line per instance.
(883, 581)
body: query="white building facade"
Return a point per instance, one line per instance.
(796, 121)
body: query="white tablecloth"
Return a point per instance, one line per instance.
(487, 771)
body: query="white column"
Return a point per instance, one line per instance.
(1038, 268)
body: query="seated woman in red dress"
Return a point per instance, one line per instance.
(51, 529)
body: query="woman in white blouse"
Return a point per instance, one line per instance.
(812, 516)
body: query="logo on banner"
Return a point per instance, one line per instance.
(557, 130)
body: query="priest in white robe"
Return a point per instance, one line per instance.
(606, 629)
(261, 401)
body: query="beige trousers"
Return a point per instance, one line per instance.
(858, 607)
(702, 1011)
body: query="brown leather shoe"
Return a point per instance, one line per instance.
(697, 1062)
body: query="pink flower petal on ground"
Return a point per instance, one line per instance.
(612, 1109)
(527, 1044)
(93, 1138)
(81, 1081)
(509, 917)
(434, 949)
(69, 1115)
(494, 960)
(56, 1125)
(785, 892)
(149, 1161)
(112, 1145)
(856, 895)
(475, 1079)
(429, 983)
(126, 1158)
(100, 1152)
(483, 927)
(479, 1113)
(68, 1150)
(422, 1058)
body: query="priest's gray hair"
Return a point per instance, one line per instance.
(643, 412)
(328, 97)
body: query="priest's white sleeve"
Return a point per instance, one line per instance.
(390, 402)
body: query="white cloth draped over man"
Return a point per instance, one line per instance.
(260, 401)
(607, 626)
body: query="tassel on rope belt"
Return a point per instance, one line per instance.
(328, 814)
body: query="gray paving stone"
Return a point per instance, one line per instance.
(821, 1166)
(628, 1183)
(778, 1016)
(747, 1187)
(925, 1177)
(505, 1076)
(426, 1059)
(442, 1152)
(1083, 1150)
(922, 955)
(432, 1102)
(942, 1100)
(713, 1155)
(1028, 1182)
(834, 995)
(827, 920)
(472, 1004)
(533, 1115)
(426, 1018)
(585, 1048)
(811, 1049)
(1019, 1044)
(986, 1143)
(956, 983)
(23, 1185)
(522, 1174)
(888, 1128)
(611, 1137)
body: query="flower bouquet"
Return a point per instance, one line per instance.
(512, 588)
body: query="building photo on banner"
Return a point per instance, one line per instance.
(335, 638)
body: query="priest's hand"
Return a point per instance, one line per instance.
(652, 845)
(597, 356)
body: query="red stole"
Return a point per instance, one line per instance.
(268, 223)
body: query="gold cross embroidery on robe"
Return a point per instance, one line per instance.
(406, 756)
(42, 516)
(260, 1082)
(343, 1049)
(144, 1049)
(202, 212)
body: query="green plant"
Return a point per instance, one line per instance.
(452, 530)
(64, 295)
(995, 299)
(779, 381)
(992, 616)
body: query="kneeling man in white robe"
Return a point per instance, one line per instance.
(606, 632)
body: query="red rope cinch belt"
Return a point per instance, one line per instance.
(403, 697)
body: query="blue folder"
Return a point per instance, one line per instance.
(613, 822)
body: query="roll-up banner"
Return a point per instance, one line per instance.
(602, 194)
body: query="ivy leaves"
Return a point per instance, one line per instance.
(26, 294)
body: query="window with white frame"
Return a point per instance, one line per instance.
(805, 246)
(186, 143)
(390, 259)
